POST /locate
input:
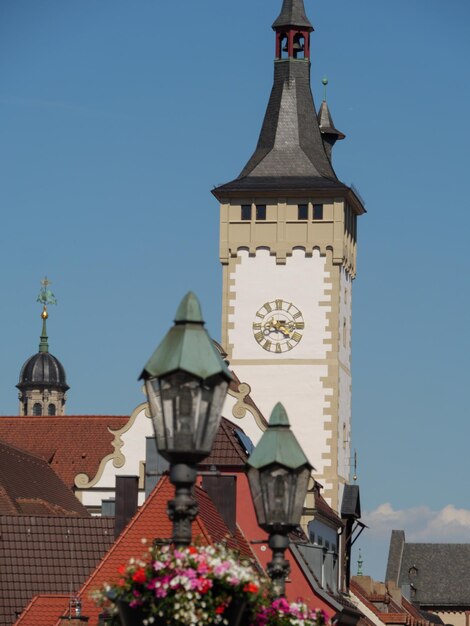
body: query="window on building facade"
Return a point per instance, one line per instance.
(51, 409)
(318, 211)
(302, 212)
(37, 408)
(246, 212)
(260, 211)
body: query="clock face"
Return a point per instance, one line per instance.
(278, 326)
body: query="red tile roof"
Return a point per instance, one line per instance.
(71, 444)
(227, 450)
(151, 522)
(43, 610)
(395, 614)
(216, 528)
(30, 487)
(47, 555)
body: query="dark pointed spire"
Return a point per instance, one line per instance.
(293, 14)
(330, 134)
(291, 152)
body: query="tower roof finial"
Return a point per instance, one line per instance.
(328, 130)
(45, 297)
(360, 563)
(293, 14)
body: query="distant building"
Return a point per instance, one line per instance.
(42, 385)
(434, 576)
(384, 604)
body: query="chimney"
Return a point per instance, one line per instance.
(127, 491)
(155, 465)
(222, 490)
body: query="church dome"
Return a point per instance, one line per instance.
(43, 370)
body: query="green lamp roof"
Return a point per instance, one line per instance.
(187, 346)
(278, 444)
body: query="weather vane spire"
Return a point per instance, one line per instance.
(324, 83)
(45, 297)
(360, 563)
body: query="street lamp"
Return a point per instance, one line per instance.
(278, 472)
(186, 383)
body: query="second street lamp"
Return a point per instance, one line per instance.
(186, 382)
(278, 472)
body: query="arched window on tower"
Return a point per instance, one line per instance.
(284, 46)
(299, 46)
(51, 409)
(37, 408)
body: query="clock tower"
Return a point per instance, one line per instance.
(288, 251)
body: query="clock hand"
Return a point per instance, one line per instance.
(277, 325)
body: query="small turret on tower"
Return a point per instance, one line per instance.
(42, 385)
(329, 133)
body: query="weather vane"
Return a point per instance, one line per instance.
(324, 83)
(45, 296)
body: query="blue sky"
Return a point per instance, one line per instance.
(116, 120)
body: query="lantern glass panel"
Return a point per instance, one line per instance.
(299, 494)
(191, 411)
(152, 389)
(278, 495)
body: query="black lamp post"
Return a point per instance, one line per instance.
(278, 472)
(186, 382)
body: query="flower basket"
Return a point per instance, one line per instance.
(194, 586)
(234, 615)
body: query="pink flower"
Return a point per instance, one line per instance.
(203, 568)
(203, 585)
